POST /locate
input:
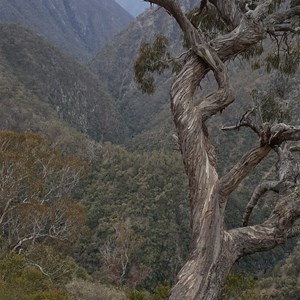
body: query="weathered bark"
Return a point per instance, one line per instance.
(214, 250)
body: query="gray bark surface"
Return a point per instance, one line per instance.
(214, 250)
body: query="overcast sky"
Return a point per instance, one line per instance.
(134, 7)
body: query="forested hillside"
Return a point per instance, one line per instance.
(78, 27)
(39, 84)
(136, 207)
(94, 198)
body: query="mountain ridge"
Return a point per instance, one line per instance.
(73, 92)
(77, 27)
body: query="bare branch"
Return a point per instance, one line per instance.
(172, 59)
(276, 20)
(257, 194)
(288, 172)
(282, 132)
(275, 230)
(295, 148)
(245, 121)
(41, 269)
(285, 28)
(230, 181)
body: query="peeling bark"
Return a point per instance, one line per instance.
(214, 250)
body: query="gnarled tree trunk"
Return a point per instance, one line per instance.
(214, 250)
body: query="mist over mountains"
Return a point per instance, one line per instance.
(66, 72)
(77, 27)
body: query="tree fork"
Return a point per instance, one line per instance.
(214, 250)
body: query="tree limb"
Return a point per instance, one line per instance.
(230, 11)
(274, 231)
(295, 148)
(230, 181)
(257, 194)
(245, 121)
(282, 132)
(41, 269)
(280, 17)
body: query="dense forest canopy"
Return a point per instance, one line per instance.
(103, 196)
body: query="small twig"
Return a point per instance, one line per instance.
(175, 58)
(41, 269)
(243, 122)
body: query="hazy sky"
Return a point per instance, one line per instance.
(134, 7)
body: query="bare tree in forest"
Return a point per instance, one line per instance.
(214, 249)
(35, 187)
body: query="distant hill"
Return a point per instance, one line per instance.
(114, 65)
(148, 116)
(79, 27)
(39, 85)
(134, 7)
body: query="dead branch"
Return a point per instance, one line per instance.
(260, 190)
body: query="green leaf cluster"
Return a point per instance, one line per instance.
(240, 287)
(208, 20)
(152, 58)
(286, 63)
(272, 110)
(20, 281)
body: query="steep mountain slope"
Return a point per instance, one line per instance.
(148, 117)
(114, 64)
(133, 7)
(34, 75)
(79, 27)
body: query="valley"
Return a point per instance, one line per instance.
(69, 98)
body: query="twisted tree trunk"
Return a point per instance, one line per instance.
(214, 250)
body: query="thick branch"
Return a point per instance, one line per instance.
(273, 231)
(174, 10)
(282, 132)
(257, 194)
(279, 28)
(270, 137)
(279, 225)
(295, 148)
(278, 18)
(230, 181)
